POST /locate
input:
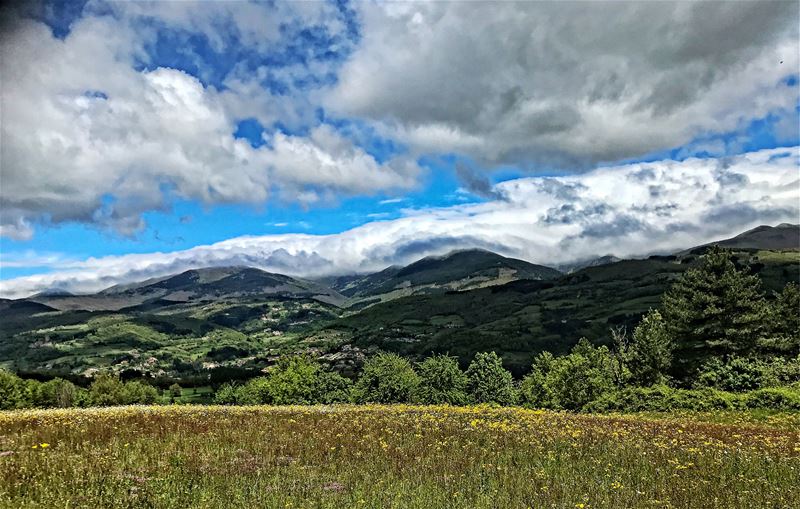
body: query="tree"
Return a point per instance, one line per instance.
(650, 354)
(293, 381)
(138, 393)
(106, 390)
(441, 381)
(489, 382)
(13, 393)
(784, 318)
(226, 395)
(714, 308)
(54, 393)
(572, 381)
(175, 390)
(386, 378)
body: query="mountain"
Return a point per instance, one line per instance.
(209, 284)
(783, 236)
(459, 270)
(568, 268)
(521, 318)
(235, 320)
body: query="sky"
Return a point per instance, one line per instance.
(140, 139)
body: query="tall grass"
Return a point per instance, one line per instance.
(392, 456)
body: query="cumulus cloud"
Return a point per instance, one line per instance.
(566, 84)
(90, 135)
(552, 221)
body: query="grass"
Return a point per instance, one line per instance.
(394, 456)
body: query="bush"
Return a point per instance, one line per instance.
(175, 390)
(736, 374)
(661, 398)
(255, 392)
(107, 390)
(138, 393)
(13, 392)
(774, 398)
(489, 382)
(294, 380)
(226, 394)
(55, 393)
(569, 382)
(386, 378)
(333, 388)
(441, 381)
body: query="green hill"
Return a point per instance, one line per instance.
(460, 270)
(522, 318)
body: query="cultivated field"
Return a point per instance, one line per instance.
(394, 456)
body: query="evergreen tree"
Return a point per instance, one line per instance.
(714, 308)
(785, 320)
(651, 350)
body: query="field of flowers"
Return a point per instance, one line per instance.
(393, 456)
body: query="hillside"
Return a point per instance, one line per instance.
(521, 318)
(460, 270)
(783, 236)
(199, 285)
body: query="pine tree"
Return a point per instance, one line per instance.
(715, 308)
(785, 320)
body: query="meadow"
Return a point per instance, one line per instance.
(395, 456)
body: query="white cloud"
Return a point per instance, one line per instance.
(625, 210)
(88, 137)
(568, 84)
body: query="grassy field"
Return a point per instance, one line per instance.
(394, 456)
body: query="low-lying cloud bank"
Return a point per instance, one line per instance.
(628, 210)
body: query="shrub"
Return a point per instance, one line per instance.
(441, 381)
(255, 392)
(138, 393)
(175, 390)
(107, 390)
(226, 394)
(13, 392)
(294, 380)
(661, 398)
(572, 381)
(774, 398)
(735, 374)
(386, 378)
(55, 393)
(333, 388)
(489, 382)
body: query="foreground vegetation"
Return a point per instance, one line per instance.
(393, 456)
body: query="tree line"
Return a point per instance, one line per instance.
(715, 342)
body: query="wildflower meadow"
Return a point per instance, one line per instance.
(394, 456)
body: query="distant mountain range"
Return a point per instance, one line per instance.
(460, 270)
(194, 285)
(783, 236)
(466, 301)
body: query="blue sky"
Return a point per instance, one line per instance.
(184, 125)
